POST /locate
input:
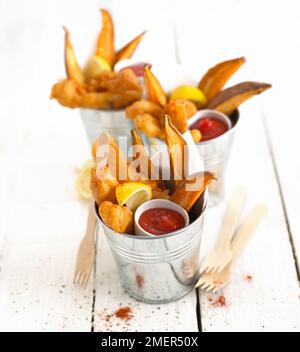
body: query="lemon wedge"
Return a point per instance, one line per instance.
(83, 180)
(94, 66)
(133, 194)
(190, 93)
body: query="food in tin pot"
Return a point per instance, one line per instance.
(97, 85)
(148, 114)
(184, 101)
(118, 197)
(198, 184)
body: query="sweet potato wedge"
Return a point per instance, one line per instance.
(128, 50)
(155, 92)
(228, 100)
(106, 40)
(111, 156)
(177, 150)
(72, 68)
(147, 170)
(187, 198)
(216, 77)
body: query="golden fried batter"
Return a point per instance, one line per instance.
(143, 107)
(119, 219)
(180, 111)
(149, 125)
(69, 93)
(103, 186)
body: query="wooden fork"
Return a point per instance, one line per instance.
(221, 256)
(87, 251)
(215, 281)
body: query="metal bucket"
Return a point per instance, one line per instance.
(159, 269)
(113, 122)
(215, 154)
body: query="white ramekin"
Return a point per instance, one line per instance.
(157, 203)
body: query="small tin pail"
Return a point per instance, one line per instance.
(159, 269)
(215, 154)
(113, 122)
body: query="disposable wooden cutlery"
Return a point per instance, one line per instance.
(87, 251)
(216, 281)
(221, 256)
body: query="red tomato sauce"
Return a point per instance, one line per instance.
(210, 128)
(160, 221)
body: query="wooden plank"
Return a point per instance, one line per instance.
(42, 220)
(270, 302)
(110, 296)
(280, 113)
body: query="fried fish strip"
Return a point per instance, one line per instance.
(69, 93)
(128, 50)
(119, 219)
(143, 107)
(228, 100)
(72, 68)
(216, 77)
(155, 92)
(106, 40)
(180, 111)
(189, 191)
(103, 186)
(121, 82)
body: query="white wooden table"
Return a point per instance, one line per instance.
(42, 145)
